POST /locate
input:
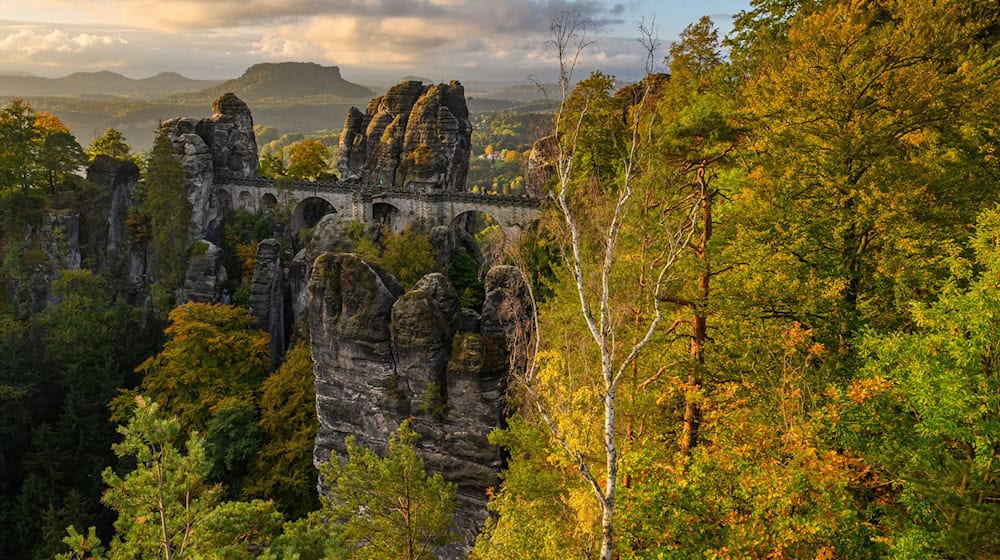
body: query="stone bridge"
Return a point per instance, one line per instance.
(397, 208)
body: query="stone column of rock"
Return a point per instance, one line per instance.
(413, 134)
(267, 298)
(199, 172)
(115, 249)
(206, 274)
(352, 145)
(223, 145)
(230, 137)
(381, 356)
(357, 393)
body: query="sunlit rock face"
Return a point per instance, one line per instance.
(222, 145)
(415, 135)
(382, 355)
(229, 135)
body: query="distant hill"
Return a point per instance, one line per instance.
(103, 84)
(285, 81)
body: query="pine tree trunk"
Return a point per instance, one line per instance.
(699, 332)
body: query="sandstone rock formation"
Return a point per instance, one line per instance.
(122, 178)
(267, 298)
(206, 277)
(222, 145)
(230, 137)
(381, 355)
(115, 251)
(414, 135)
(541, 165)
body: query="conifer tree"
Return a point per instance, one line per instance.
(112, 144)
(388, 506)
(169, 212)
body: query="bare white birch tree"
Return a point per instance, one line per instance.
(593, 276)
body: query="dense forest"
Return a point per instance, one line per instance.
(765, 323)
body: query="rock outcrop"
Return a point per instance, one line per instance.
(382, 356)
(222, 145)
(114, 247)
(267, 298)
(230, 137)
(414, 135)
(205, 281)
(541, 165)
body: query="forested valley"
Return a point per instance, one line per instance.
(763, 321)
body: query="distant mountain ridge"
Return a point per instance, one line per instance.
(104, 83)
(290, 80)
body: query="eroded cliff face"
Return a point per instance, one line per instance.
(414, 135)
(382, 355)
(222, 145)
(115, 248)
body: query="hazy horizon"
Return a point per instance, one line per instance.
(374, 40)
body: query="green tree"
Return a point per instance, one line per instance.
(169, 211)
(165, 499)
(18, 146)
(271, 165)
(112, 144)
(308, 159)
(388, 506)
(214, 353)
(923, 414)
(408, 255)
(866, 121)
(60, 157)
(165, 506)
(283, 468)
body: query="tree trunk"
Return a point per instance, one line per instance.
(608, 503)
(699, 334)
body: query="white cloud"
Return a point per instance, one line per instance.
(47, 47)
(220, 38)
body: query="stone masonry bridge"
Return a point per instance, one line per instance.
(397, 208)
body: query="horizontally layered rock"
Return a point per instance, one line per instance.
(382, 356)
(222, 145)
(206, 276)
(414, 135)
(230, 138)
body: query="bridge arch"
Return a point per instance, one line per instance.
(309, 211)
(488, 233)
(244, 201)
(268, 201)
(388, 215)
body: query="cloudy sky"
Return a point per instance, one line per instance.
(368, 39)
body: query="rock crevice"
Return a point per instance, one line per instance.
(382, 355)
(413, 136)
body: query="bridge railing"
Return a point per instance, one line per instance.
(527, 201)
